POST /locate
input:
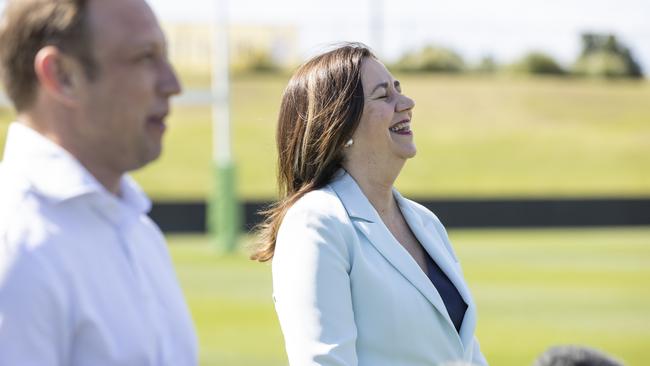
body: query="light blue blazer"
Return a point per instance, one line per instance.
(347, 293)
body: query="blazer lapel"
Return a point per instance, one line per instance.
(366, 219)
(432, 242)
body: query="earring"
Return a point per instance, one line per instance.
(349, 143)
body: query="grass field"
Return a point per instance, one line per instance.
(476, 136)
(533, 289)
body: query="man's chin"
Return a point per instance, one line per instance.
(145, 158)
(153, 155)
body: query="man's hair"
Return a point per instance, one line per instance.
(29, 25)
(575, 356)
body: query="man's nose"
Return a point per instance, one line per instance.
(169, 84)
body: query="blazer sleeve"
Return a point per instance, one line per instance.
(311, 286)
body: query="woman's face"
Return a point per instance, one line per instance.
(384, 134)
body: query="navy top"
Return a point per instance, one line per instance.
(454, 303)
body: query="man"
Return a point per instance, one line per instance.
(85, 276)
(575, 356)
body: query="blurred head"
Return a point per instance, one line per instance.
(321, 108)
(575, 356)
(93, 76)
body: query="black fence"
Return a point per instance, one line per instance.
(185, 217)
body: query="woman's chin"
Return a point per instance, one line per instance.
(409, 153)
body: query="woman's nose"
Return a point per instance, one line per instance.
(405, 104)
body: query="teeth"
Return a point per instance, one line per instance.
(400, 127)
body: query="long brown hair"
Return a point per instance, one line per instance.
(321, 107)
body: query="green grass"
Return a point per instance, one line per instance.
(533, 289)
(476, 136)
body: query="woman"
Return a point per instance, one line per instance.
(361, 275)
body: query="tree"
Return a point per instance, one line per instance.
(431, 59)
(487, 65)
(603, 55)
(538, 63)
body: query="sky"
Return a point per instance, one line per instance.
(503, 29)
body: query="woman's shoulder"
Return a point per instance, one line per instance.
(315, 222)
(321, 204)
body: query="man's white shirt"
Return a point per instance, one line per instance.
(85, 276)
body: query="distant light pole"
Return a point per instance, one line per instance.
(223, 209)
(377, 26)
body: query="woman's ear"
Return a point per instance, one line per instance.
(58, 74)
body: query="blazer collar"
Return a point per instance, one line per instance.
(367, 220)
(355, 202)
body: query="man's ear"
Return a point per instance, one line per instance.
(59, 75)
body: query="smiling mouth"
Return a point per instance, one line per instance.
(402, 128)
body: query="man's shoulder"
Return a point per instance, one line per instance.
(14, 191)
(25, 216)
(11, 181)
(20, 235)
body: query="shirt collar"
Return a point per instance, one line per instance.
(54, 173)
